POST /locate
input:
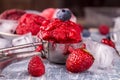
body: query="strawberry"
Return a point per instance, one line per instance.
(79, 60)
(103, 29)
(108, 42)
(36, 67)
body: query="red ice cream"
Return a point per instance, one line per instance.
(60, 31)
(29, 23)
(48, 13)
(12, 14)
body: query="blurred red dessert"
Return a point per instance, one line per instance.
(60, 32)
(104, 29)
(108, 42)
(61, 29)
(12, 14)
(48, 13)
(29, 23)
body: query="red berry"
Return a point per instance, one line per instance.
(79, 60)
(105, 41)
(70, 49)
(111, 44)
(39, 48)
(83, 46)
(36, 67)
(108, 42)
(103, 29)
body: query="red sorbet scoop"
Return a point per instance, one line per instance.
(12, 14)
(60, 31)
(29, 23)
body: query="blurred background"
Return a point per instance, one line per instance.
(77, 6)
(87, 9)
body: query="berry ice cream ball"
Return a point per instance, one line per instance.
(48, 13)
(61, 29)
(29, 23)
(12, 14)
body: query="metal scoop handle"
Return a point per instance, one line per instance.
(20, 46)
(8, 58)
(3, 51)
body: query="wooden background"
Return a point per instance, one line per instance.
(27, 4)
(77, 6)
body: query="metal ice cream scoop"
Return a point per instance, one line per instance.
(54, 52)
(8, 58)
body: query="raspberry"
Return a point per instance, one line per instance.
(60, 32)
(103, 29)
(108, 42)
(29, 23)
(36, 67)
(12, 14)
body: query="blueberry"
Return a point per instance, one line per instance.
(85, 33)
(64, 14)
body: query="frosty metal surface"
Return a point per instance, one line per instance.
(57, 52)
